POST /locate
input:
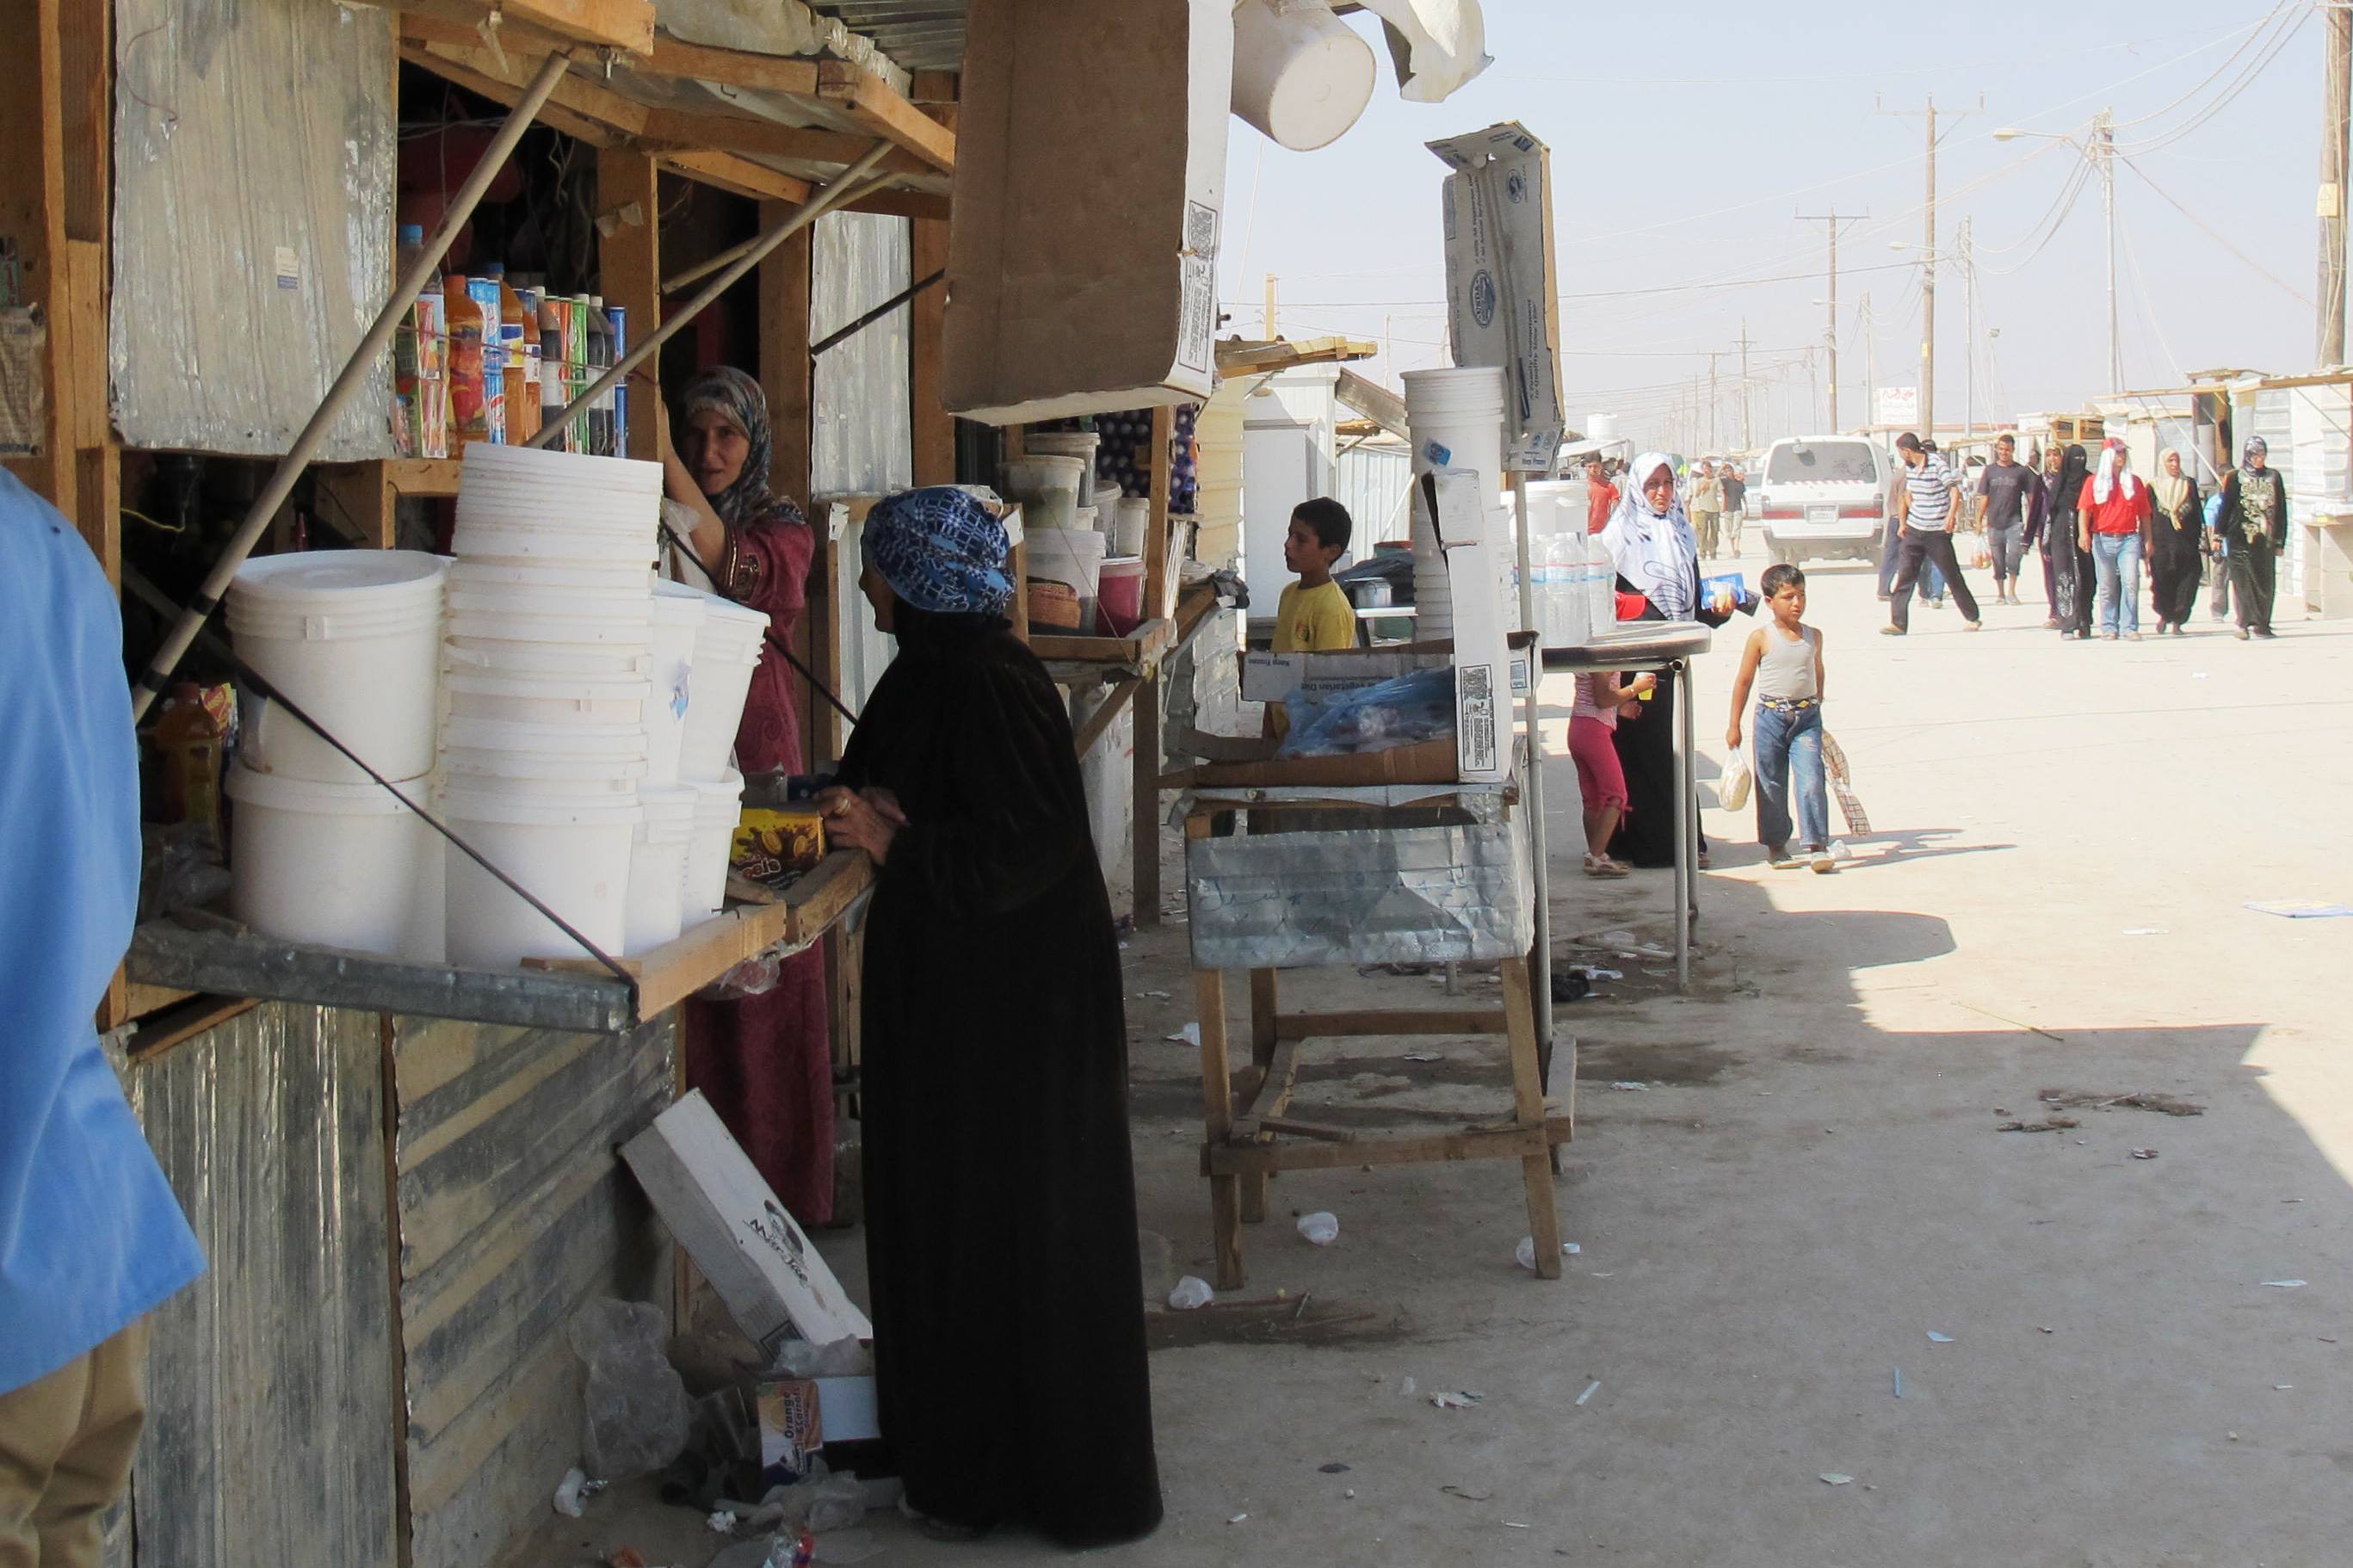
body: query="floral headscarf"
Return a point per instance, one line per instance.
(738, 398)
(941, 551)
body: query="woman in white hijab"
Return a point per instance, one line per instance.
(2175, 530)
(1657, 554)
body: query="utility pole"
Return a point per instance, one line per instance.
(1929, 265)
(1969, 330)
(2338, 78)
(1746, 442)
(1712, 398)
(1830, 220)
(2103, 153)
(1267, 322)
(1870, 366)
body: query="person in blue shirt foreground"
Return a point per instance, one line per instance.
(91, 1238)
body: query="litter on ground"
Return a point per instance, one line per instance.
(1588, 1390)
(1835, 1478)
(1936, 1339)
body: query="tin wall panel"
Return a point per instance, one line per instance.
(513, 1210)
(253, 221)
(270, 1413)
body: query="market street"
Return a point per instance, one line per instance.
(1811, 1182)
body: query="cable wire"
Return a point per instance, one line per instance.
(2292, 291)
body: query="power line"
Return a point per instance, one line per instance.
(2282, 9)
(2292, 291)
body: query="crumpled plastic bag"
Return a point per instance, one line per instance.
(1412, 707)
(637, 1413)
(844, 1357)
(755, 976)
(1732, 789)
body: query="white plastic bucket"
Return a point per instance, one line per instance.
(541, 775)
(352, 637)
(504, 541)
(1073, 556)
(471, 625)
(631, 604)
(1134, 520)
(537, 467)
(584, 745)
(475, 576)
(718, 807)
(657, 866)
(575, 858)
(344, 865)
(1302, 76)
(1460, 413)
(531, 657)
(677, 626)
(1083, 445)
(1048, 490)
(727, 648)
(547, 700)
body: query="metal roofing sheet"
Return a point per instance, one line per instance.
(918, 35)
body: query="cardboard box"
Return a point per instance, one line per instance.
(773, 1283)
(1503, 292)
(799, 1415)
(1083, 248)
(1473, 536)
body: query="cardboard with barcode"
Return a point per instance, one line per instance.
(774, 1282)
(1502, 292)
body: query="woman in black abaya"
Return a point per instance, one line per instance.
(2072, 581)
(1000, 1196)
(1657, 555)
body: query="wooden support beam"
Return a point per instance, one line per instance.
(870, 103)
(733, 68)
(1229, 1160)
(578, 106)
(603, 24)
(32, 220)
(1338, 1026)
(1114, 703)
(737, 176)
(357, 499)
(629, 266)
(935, 426)
(695, 130)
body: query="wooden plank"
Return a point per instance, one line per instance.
(32, 217)
(142, 999)
(1226, 1160)
(1115, 701)
(697, 130)
(606, 23)
(924, 205)
(1159, 596)
(356, 500)
(404, 1524)
(578, 109)
(628, 260)
(1450, 1021)
(1291, 1127)
(935, 426)
(1139, 650)
(1145, 826)
(871, 104)
(1528, 1103)
(737, 176)
(732, 67)
(183, 1021)
(1270, 1096)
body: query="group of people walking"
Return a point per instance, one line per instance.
(2098, 528)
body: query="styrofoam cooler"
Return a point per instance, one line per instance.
(343, 865)
(718, 808)
(353, 638)
(573, 854)
(727, 648)
(657, 866)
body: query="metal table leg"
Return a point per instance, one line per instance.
(1686, 825)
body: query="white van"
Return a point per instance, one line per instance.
(1823, 497)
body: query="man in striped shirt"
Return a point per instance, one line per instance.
(1926, 509)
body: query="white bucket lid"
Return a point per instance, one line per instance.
(339, 579)
(580, 740)
(540, 464)
(462, 806)
(493, 575)
(565, 687)
(590, 776)
(276, 792)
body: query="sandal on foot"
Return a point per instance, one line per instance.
(1602, 865)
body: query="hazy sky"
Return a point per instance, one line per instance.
(1686, 133)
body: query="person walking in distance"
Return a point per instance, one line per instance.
(2175, 529)
(1706, 506)
(2253, 519)
(2110, 521)
(2007, 493)
(1601, 495)
(1927, 506)
(1735, 496)
(2037, 534)
(1783, 662)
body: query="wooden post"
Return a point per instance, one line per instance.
(1217, 1105)
(629, 266)
(1528, 1110)
(935, 426)
(1265, 1002)
(784, 369)
(1162, 470)
(33, 207)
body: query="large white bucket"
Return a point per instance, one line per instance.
(476, 576)
(1070, 556)
(1302, 76)
(1133, 519)
(351, 637)
(343, 865)
(1048, 490)
(527, 655)
(727, 648)
(575, 858)
(510, 698)
(677, 626)
(1081, 444)
(718, 807)
(537, 470)
(505, 539)
(542, 775)
(657, 866)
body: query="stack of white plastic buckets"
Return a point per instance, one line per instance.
(728, 641)
(1455, 417)
(321, 853)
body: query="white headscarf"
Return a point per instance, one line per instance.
(2111, 451)
(1656, 551)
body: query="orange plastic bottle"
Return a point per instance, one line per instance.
(522, 412)
(189, 742)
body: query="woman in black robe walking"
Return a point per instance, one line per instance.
(1000, 1194)
(2070, 564)
(2175, 528)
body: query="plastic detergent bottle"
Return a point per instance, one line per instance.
(553, 393)
(468, 397)
(188, 748)
(519, 420)
(600, 360)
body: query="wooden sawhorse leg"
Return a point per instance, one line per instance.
(1528, 1106)
(1216, 1106)
(1263, 995)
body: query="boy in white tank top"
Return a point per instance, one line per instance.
(1783, 661)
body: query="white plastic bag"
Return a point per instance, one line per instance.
(1732, 789)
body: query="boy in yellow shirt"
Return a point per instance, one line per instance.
(1314, 615)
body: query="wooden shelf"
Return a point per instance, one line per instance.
(1084, 660)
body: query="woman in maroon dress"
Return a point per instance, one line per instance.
(765, 1062)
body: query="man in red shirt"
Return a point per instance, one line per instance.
(1601, 495)
(2112, 515)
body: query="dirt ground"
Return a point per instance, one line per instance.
(1808, 1205)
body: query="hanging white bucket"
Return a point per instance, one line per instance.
(542, 775)
(657, 866)
(352, 637)
(573, 858)
(677, 626)
(718, 808)
(1302, 76)
(343, 865)
(727, 648)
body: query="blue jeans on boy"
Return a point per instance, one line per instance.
(2115, 559)
(1787, 757)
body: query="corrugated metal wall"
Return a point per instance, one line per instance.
(513, 1210)
(1371, 481)
(270, 1400)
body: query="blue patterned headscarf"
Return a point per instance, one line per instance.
(940, 550)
